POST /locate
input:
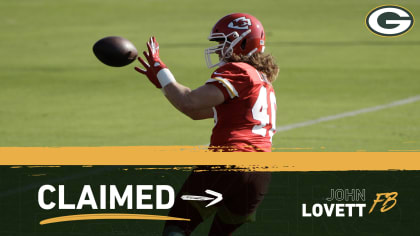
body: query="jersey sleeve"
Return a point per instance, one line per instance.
(232, 80)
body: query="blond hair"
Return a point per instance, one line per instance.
(264, 63)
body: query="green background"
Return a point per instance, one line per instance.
(54, 92)
(280, 213)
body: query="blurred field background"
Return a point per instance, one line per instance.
(54, 92)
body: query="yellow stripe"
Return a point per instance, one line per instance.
(189, 156)
(230, 90)
(108, 216)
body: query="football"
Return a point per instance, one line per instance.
(115, 51)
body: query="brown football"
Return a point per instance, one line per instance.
(115, 51)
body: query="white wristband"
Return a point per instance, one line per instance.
(165, 77)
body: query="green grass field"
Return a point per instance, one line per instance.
(54, 92)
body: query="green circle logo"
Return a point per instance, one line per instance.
(389, 20)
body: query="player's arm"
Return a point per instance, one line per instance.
(196, 104)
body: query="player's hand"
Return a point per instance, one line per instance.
(154, 64)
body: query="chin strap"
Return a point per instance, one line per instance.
(234, 42)
(251, 52)
(225, 53)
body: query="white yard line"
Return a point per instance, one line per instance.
(348, 114)
(279, 129)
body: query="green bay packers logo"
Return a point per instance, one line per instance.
(389, 20)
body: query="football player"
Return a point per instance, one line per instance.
(240, 97)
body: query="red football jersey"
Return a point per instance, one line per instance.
(246, 121)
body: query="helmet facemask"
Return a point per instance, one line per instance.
(225, 48)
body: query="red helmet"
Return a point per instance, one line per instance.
(237, 33)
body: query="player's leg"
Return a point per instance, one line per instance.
(249, 193)
(196, 212)
(182, 209)
(220, 228)
(240, 206)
